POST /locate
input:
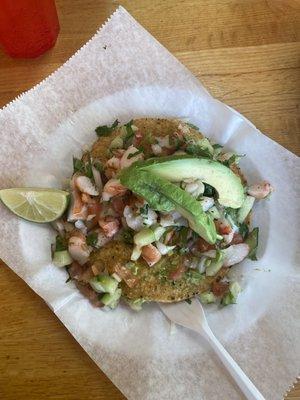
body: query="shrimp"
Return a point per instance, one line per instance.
(109, 225)
(128, 158)
(112, 166)
(150, 254)
(207, 203)
(235, 254)
(78, 249)
(118, 204)
(166, 220)
(225, 229)
(194, 187)
(223, 226)
(85, 185)
(260, 190)
(163, 141)
(113, 188)
(156, 149)
(77, 210)
(133, 220)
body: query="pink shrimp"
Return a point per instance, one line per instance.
(113, 188)
(109, 225)
(77, 210)
(150, 254)
(129, 157)
(85, 185)
(77, 247)
(260, 190)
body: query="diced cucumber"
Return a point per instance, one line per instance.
(205, 144)
(226, 300)
(111, 300)
(136, 304)
(158, 232)
(232, 295)
(117, 143)
(234, 289)
(61, 258)
(214, 265)
(136, 253)
(214, 212)
(245, 209)
(207, 297)
(252, 241)
(144, 237)
(104, 284)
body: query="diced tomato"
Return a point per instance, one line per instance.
(109, 225)
(237, 239)
(219, 288)
(94, 208)
(126, 275)
(223, 227)
(137, 139)
(150, 254)
(203, 246)
(118, 204)
(176, 274)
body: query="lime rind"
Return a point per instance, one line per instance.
(35, 204)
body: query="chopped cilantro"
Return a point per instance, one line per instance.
(88, 168)
(127, 236)
(189, 301)
(252, 241)
(234, 159)
(194, 277)
(198, 151)
(244, 230)
(135, 153)
(92, 239)
(129, 131)
(175, 142)
(84, 168)
(217, 146)
(192, 126)
(98, 165)
(106, 130)
(144, 210)
(183, 235)
(78, 165)
(60, 243)
(231, 212)
(149, 138)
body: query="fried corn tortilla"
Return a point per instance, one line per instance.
(149, 283)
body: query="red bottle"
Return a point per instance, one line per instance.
(28, 28)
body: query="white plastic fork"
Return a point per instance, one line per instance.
(192, 316)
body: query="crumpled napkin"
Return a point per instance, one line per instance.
(123, 72)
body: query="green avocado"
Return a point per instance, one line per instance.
(164, 196)
(176, 168)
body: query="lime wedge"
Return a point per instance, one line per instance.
(35, 204)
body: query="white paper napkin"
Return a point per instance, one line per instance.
(123, 72)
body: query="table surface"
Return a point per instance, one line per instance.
(246, 53)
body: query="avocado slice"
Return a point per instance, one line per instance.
(163, 195)
(176, 168)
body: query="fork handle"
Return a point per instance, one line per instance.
(244, 383)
